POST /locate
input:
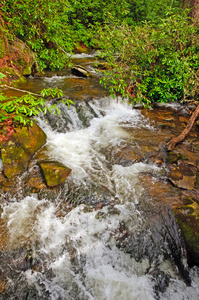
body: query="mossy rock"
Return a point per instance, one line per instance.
(54, 173)
(20, 148)
(187, 218)
(172, 157)
(20, 64)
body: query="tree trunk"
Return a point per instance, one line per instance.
(194, 8)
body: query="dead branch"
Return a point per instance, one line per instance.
(171, 144)
(23, 91)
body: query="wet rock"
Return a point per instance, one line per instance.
(85, 113)
(54, 173)
(172, 157)
(16, 57)
(36, 183)
(187, 217)
(156, 157)
(21, 147)
(124, 156)
(59, 122)
(80, 71)
(183, 176)
(161, 281)
(42, 154)
(185, 152)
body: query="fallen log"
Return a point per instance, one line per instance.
(171, 144)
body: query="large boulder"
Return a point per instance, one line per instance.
(20, 148)
(80, 71)
(16, 58)
(54, 172)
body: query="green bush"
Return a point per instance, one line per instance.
(150, 10)
(52, 28)
(21, 109)
(152, 63)
(44, 26)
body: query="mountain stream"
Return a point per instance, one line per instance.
(108, 234)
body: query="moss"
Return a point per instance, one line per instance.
(191, 236)
(54, 173)
(197, 180)
(183, 157)
(187, 219)
(21, 79)
(172, 157)
(22, 145)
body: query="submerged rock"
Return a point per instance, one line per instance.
(183, 176)
(124, 156)
(20, 148)
(54, 173)
(80, 71)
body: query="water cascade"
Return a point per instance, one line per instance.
(104, 236)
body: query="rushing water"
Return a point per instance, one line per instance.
(116, 242)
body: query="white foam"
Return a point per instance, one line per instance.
(106, 268)
(127, 183)
(81, 150)
(81, 251)
(57, 78)
(82, 55)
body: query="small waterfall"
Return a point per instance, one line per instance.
(116, 242)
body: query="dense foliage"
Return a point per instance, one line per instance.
(43, 25)
(153, 63)
(150, 47)
(52, 28)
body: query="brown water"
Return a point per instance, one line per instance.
(75, 88)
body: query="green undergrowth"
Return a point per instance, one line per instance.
(153, 62)
(53, 28)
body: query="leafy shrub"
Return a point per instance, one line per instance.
(20, 109)
(152, 63)
(150, 10)
(44, 26)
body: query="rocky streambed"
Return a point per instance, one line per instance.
(98, 204)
